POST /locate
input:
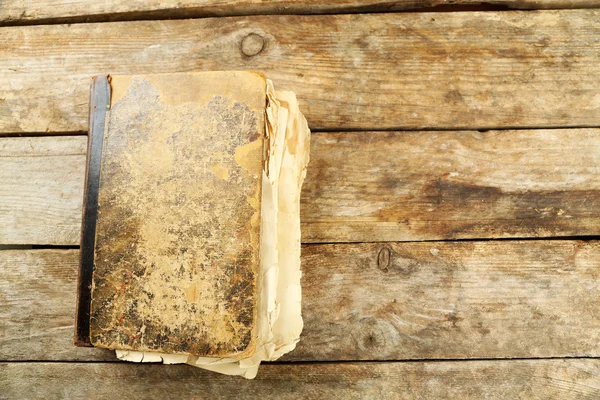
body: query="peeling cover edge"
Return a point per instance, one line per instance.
(99, 106)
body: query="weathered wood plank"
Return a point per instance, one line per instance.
(510, 379)
(439, 300)
(362, 186)
(427, 300)
(37, 306)
(390, 186)
(411, 70)
(41, 189)
(44, 11)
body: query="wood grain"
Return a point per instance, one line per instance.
(390, 301)
(440, 300)
(514, 379)
(390, 186)
(37, 306)
(13, 12)
(41, 189)
(362, 186)
(370, 71)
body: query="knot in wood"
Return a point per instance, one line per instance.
(375, 337)
(383, 259)
(252, 44)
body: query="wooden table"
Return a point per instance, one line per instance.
(449, 214)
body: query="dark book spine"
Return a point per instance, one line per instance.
(99, 106)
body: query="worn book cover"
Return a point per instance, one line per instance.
(185, 214)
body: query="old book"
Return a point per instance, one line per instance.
(191, 232)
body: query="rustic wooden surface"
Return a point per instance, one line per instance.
(518, 379)
(363, 71)
(378, 301)
(41, 189)
(13, 12)
(398, 186)
(387, 186)
(525, 310)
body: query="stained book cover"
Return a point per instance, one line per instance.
(172, 213)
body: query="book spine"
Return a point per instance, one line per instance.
(99, 107)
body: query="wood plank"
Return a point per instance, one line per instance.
(396, 186)
(14, 12)
(370, 71)
(394, 301)
(362, 186)
(510, 379)
(450, 300)
(41, 189)
(37, 306)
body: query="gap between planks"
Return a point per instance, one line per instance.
(318, 362)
